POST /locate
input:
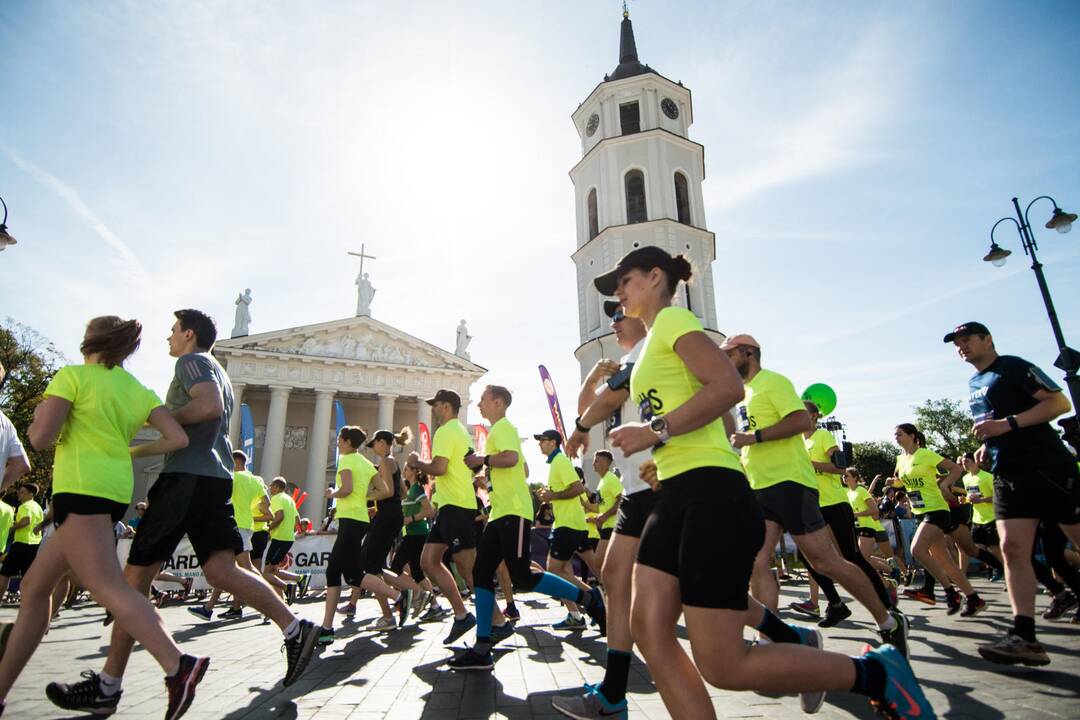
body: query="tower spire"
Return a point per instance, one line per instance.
(629, 65)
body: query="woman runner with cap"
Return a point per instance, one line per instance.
(684, 383)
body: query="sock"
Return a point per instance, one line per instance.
(987, 558)
(777, 630)
(462, 616)
(485, 608)
(973, 597)
(510, 607)
(929, 584)
(556, 587)
(293, 629)
(889, 624)
(615, 676)
(109, 685)
(869, 677)
(1024, 626)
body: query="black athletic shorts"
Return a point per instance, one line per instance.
(184, 504)
(454, 527)
(567, 541)
(347, 555)
(793, 506)
(634, 510)
(258, 544)
(939, 518)
(408, 553)
(961, 514)
(277, 552)
(985, 534)
(19, 558)
(592, 544)
(384, 530)
(706, 529)
(1048, 494)
(64, 504)
(605, 533)
(868, 533)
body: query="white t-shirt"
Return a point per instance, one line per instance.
(629, 467)
(10, 446)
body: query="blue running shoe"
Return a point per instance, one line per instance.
(590, 705)
(904, 699)
(459, 628)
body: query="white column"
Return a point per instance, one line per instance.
(318, 451)
(386, 411)
(234, 419)
(270, 467)
(423, 413)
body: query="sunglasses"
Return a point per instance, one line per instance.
(618, 316)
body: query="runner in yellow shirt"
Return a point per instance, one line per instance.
(282, 536)
(867, 524)
(27, 536)
(980, 493)
(610, 490)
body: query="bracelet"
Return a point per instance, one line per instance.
(1013, 422)
(579, 426)
(757, 436)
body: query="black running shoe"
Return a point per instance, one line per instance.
(597, 612)
(953, 600)
(471, 660)
(835, 613)
(302, 586)
(973, 606)
(403, 604)
(232, 614)
(511, 613)
(460, 627)
(326, 636)
(1063, 602)
(84, 696)
(290, 593)
(501, 632)
(298, 651)
(181, 686)
(898, 636)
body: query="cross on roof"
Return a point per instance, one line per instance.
(361, 255)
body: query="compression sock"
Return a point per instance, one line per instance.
(485, 608)
(615, 676)
(555, 586)
(869, 677)
(776, 629)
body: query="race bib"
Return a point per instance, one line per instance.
(917, 501)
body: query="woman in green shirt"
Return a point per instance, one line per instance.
(95, 409)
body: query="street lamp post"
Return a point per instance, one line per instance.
(5, 238)
(1068, 359)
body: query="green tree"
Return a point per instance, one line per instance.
(876, 457)
(947, 427)
(31, 360)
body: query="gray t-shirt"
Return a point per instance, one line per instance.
(209, 452)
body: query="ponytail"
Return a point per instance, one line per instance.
(404, 436)
(112, 338)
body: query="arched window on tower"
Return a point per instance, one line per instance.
(682, 199)
(594, 218)
(635, 197)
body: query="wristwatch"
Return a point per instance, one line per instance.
(659, 426)
(1013, 423)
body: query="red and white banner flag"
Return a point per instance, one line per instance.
(481, 435)
(425, 443)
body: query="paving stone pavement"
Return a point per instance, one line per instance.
(398, 675)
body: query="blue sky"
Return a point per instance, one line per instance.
(157, 156)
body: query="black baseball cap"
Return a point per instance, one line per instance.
(447, 396)
(611, 307)
(384, 435)
(968, 328)
(644, 258)
(549, 435)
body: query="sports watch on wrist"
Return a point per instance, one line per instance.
(660, 427)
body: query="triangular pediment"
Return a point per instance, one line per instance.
(358, 339)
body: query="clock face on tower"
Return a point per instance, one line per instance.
(670, 108)
(594, 122)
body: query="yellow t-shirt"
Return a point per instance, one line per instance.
(983, 483)
(919, 473)
(569, 512)
(287, 529)
(354, 505)
(858, 498)
(831, 489)
(661, 382)
(256, 525)
(509, 489)
(770, 397)
(108, 406)
(610, 489)
(246, 491)
(7, 519)
(455, 486)
(590, 526)
(27, 534)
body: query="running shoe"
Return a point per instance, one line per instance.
(84, 696)
(188, 582)
(953, 601)
(433, 613)
(806, 607)
(903, 699)
(232, 614)
(470, 659)
(302, 586)
(265, 620)
(201, 611)
(348, 610)
(181, 686)
(921, 595)
(1014, 650)
(891, 589)
(590, 705)
(420, 600)
(501, 632)
(973, 606)
(460, 627)
(326, 636)
(811, 700)
(597, 612)
(298, 651)
(835, 613)
(569, 623)
(384, 623)
(1063, 602)
(511, 613)
(403, 604)
(898, 636)
(909, 577)
(290, 593)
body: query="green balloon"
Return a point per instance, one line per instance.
(821, 395)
